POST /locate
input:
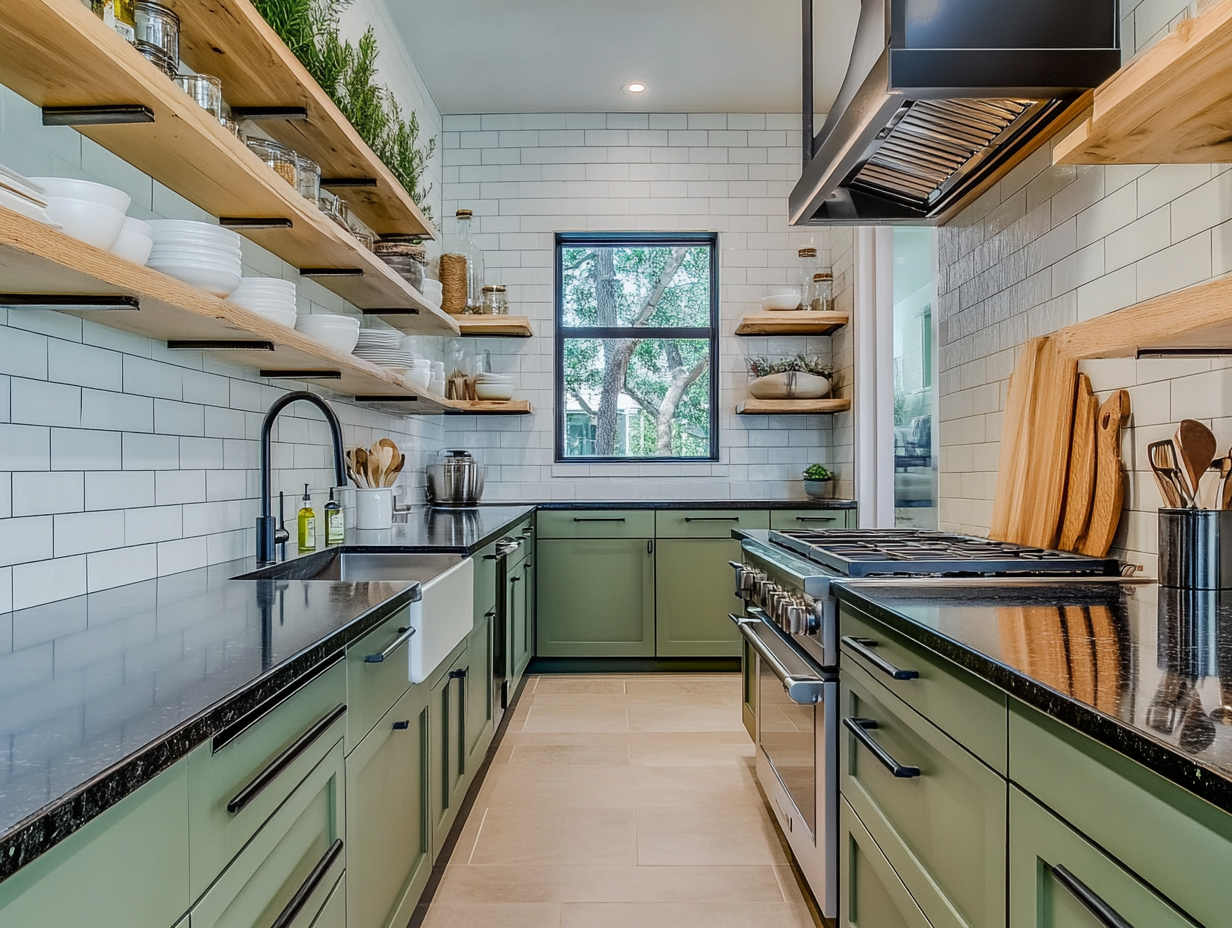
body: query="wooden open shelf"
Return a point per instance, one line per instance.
(489, 407)
(186, 149)
(230, 39)
(755, 407)
(797, 322)
(37, 259)
(495, 326)
(1171, 105)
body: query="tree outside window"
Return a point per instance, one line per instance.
(636, 347)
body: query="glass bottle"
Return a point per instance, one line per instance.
(823, 292)
(495, 301)
(808, 267)
(461, 269)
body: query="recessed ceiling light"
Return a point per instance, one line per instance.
(635, 87)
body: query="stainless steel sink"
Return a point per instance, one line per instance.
(338, 564)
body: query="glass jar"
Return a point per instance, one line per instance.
(159, 26)
(309, 177)
(461, 269)
(278, 157)
(823, 292)
(495, 301)
(808, 267)
(205, 90)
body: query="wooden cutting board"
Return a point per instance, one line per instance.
(1109, 477)
(1080, 485)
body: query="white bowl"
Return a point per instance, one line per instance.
(132, 246)
(281, 316)
(213, 280)
(420, 378)
(338, 332)
(494, 391)
(781, 302)
(92, 223)
(432, 289)
(72, 189)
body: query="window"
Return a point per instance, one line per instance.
(637, 351)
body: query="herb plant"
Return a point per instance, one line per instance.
(801, 364)
(818, 472)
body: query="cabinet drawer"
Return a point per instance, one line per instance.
(960, 704)
(375, 685)
(707, 523)
(786, 519)
(239, 778)
(1171, 839)
(485, 580)
(603, 523)
(1056, 877)
(942, 829)
(873, 896)
(292, 864)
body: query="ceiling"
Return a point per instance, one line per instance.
(576, 56)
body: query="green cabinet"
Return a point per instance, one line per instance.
(376, 679)
(388, 838)
(447, 748)
(596, 596)
(871, 894)
(521, 642)
(694, 594)
(811, 519)
(480, 699)
(1058, 879)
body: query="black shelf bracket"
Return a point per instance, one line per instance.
(68, 302)
(309, 374)
(331, 272)
(219, 344)
(254, 222)
(269, 112)
(386, 399)
(394, 311)
(117, 114)
(341, 182)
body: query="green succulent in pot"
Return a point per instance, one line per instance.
(818, 481)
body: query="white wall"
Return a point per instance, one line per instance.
(529, 176)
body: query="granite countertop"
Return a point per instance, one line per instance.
(1144, 669)
(773, 504)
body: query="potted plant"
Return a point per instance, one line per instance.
(799, 377)
(818, 481)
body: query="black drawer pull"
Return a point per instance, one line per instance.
(403, 725)
(283, 761)
(1105, 914)
(860, 728)
(864, 647)
(404, 635)
(712, 519)
(576, 519)
(490, 557)
(816, 519)
(457, 674)
(287, 915)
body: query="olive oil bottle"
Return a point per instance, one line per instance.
(335, 521)
(307, 524)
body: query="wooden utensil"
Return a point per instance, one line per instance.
(1109, 477)
(1163, 465)
(361, 467)
(1080, 487)
(1196, 446)
(375, 470)
(392, 474)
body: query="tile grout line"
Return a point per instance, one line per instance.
(475, 846)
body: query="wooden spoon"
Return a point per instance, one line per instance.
(1159, 454)
(391, 475)
(1225, 488)
(380, 459)
(1196, 446)
(361, 467)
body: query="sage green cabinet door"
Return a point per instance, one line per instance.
(694, 587)
(388, 840)
(1057, 877)
(521, 645)
(708, 523)
(374, 686)
(811, 519)
(596, 597)
(447, 748)
(531, 593)
(872, 895)
(333, 913)
(479, 696)
(128, 867)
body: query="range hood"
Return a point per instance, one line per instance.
(939, 96)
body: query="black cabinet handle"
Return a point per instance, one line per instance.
(1105, 914)
(860, 728)
(490, 615)
(457, 674)
(650, 547)
(816, 519)
(282, 762)
(403, 725)
(712, 518)
(864, 647)
(576, 519)
(490, 557)
(287, 915)
(515, 579)
(404, 635)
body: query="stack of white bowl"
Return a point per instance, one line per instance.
(198, 253)
(337, 332)
(270, 297)
(89, 212)
(22, 195)
(494, 386)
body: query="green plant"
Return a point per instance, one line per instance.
(801, 364)
(347, 73)
(818, 472)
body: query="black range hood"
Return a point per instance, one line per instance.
(939, 95)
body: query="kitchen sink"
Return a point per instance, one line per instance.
(339, 564)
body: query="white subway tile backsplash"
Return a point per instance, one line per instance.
(40, 493)
(23, 540)
(84, 365)
(24, 447)
(61, 577)
(119, 566)
(116, 411)
(81, 532)
(38, 402)
(119, 489)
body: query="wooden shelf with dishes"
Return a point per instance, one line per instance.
(797, 322)
(756, 407)
(495, 326)
(182, 146)
(489, 407)
(1170, 105)
(37, 260)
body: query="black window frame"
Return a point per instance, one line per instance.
(711, 332)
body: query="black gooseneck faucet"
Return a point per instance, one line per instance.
(269, 533)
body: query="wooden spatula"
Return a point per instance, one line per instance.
(1225, 486)
(1196, 446)
(1109, 477)
(361, 467)
(1163, 466)
(391, 475)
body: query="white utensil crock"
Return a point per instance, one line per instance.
(374, 509)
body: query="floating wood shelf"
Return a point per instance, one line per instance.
(230, 39)
(495, 326)
(1171, 105)
(755, 407)
(797, 322)
(35, 259)
(186, 149)
(489, 407)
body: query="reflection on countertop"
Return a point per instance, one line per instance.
(1144, 669)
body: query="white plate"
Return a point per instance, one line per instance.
(27, 208)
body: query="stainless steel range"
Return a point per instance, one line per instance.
(790, 630)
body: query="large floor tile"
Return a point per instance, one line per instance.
(710, 837)
(569, 755)
(578, 837)
(723, 748)
(466, 915)
(575, 719)
(591, 685)
(691, 718)
(679, 915)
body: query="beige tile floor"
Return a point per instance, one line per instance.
(618, 801)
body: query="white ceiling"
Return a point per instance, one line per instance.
(575, 56)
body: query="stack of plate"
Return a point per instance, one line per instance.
(24, 196)
(198, 253)
(494, 386)
(385, 347)
(270, 297)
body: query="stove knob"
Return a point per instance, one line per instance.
(813, 617)
(795, 618)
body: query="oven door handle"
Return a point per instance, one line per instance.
(805, 689)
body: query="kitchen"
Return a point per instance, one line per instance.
(531, 710)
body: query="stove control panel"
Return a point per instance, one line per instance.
(794, 612)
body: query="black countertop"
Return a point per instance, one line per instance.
(1143, 669)
(772, 504)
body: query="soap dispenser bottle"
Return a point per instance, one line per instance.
(307, 524)
(335, 521)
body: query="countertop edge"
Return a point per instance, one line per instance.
(1159, 757)
(774, 505)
